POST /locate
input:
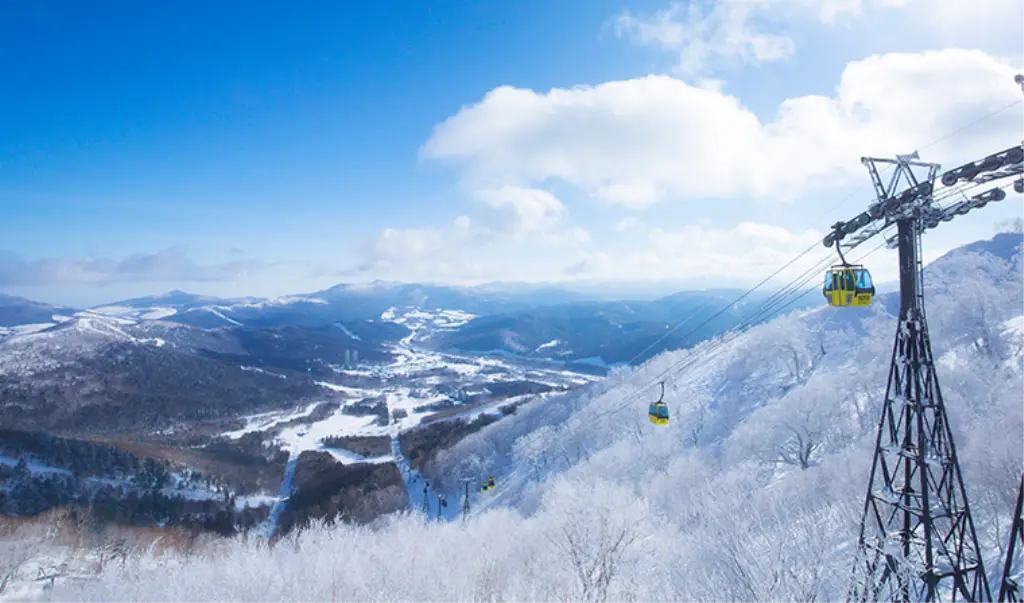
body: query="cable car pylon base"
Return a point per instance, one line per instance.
(917, 538)
(1010, 588)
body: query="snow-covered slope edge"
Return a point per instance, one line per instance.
(712, 507)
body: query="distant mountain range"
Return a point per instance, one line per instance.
(523, 320)
(1005, 246)
(144, 362)
(341, 303)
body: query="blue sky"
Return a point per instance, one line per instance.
(247, 149)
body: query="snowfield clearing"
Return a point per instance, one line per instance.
(267, 420)
(299, 438)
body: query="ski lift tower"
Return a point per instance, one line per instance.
(917, 538)
(465, 500)
(918, 541)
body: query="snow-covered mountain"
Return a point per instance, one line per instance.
(18, 311)
(109, 370)
(753, 491)
(341, 303)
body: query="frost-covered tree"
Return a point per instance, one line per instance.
(972, 295)
(795, 429)
(15, 550)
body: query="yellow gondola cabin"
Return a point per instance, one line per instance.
(848, 286)
(657, 412)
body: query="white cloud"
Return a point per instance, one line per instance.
(755, 32)
(517, 211)
(725, 33)
(509, 214)
(571, 237)
(627, 223)
(988, 20)
(398, 244)
(746, 252)
(169, 265)
(637, 142)
(1015, 225)
(742, 255)
(590, 263)
(735, 32)
(394, 246)
(741, 251)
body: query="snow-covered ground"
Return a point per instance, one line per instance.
(409, 385)
(348, 332)
(34, 348)
(417, 320)
(267, 420)
(216, 312)
(255, 369)
(25, 329)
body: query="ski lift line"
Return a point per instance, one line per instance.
(715, 346)
(811, 277)
(952, 191)
(777, 300)
(766, 307)
(772, 302)
(781, 299)
(780, 303)
(718, 345)
(723, 310)
(490, 500)
(972, 186)
(678, 325)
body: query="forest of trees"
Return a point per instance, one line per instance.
(104, 483)
(364, 445)
(80, 457)
(141, 501)
(327, 491)
(129, 388)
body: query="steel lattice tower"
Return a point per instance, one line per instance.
(917, 539)
(1010, 589)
